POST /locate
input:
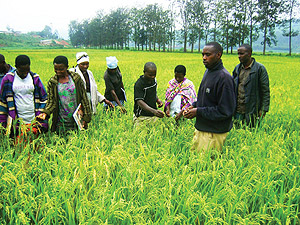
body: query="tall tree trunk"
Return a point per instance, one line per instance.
(290, 35)
(185, 41)
(265, 38)
(227, 35)
(199, 41)
(174, 43)
(251, 30)
(215, 31)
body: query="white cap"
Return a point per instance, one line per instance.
(111, 62)
(82, 57)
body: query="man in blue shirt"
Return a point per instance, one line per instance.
(4, 67)
(215, 103)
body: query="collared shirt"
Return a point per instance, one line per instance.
(243, 76)
(146, 91)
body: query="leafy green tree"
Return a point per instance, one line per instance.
(196, 21)
(184, 15)
(77, 33)
(291, 7)
(268, 15)
(136, 26)
(47, 33)
(117, 29)
(95, 28)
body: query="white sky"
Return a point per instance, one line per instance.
(33, 15)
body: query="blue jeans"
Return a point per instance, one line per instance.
(106, 107)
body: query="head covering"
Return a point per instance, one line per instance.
(22, 60)
(111, 62)
(82, 57)
(61, 60)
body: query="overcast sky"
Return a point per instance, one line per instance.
(33, 15)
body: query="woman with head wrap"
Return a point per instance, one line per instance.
(66, 91)
(23, 97)
(89, 81)
(180, 94)
(114, 91)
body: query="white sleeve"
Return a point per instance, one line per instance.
(100, 97)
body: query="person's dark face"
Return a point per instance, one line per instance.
(179, 77)
(3, 67)
(244, 56)
(60, 69)
(150, 74)
(112, 71)
(84, 66)
(23, 71)
(210, 56)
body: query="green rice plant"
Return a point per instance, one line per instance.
(114, 173)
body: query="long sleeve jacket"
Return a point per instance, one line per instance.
(216, 101)
(7, 100)
(257, 91)
(53, 99)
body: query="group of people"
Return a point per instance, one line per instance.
(243, 97)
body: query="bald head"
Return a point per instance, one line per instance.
(150, 71)
(149, 66)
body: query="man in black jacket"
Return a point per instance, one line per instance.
(252, 88)
(215, 103)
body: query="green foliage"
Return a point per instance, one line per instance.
(115, 174)
(18, 41)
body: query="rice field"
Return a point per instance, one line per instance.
(115, 174)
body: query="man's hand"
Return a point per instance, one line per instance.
(84, 124)
(42, 116)
(159, 113)
(107, 102)
(178, 116)
(168, 113)
(261, 114)
(159, 103)
(190, 112)
(122, 109)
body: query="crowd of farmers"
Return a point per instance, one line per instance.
(242, 98)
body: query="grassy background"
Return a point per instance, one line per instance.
(114, 174)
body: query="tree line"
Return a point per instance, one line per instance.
(230, 22)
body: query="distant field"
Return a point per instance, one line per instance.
(114, 174)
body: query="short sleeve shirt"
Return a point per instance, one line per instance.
(24, 97)
(147, 92)
(113, 82)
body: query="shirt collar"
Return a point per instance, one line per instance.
(249, 67)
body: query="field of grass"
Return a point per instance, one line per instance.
(114, 174)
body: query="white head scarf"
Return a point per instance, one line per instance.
(82, 57)
(111, 62)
